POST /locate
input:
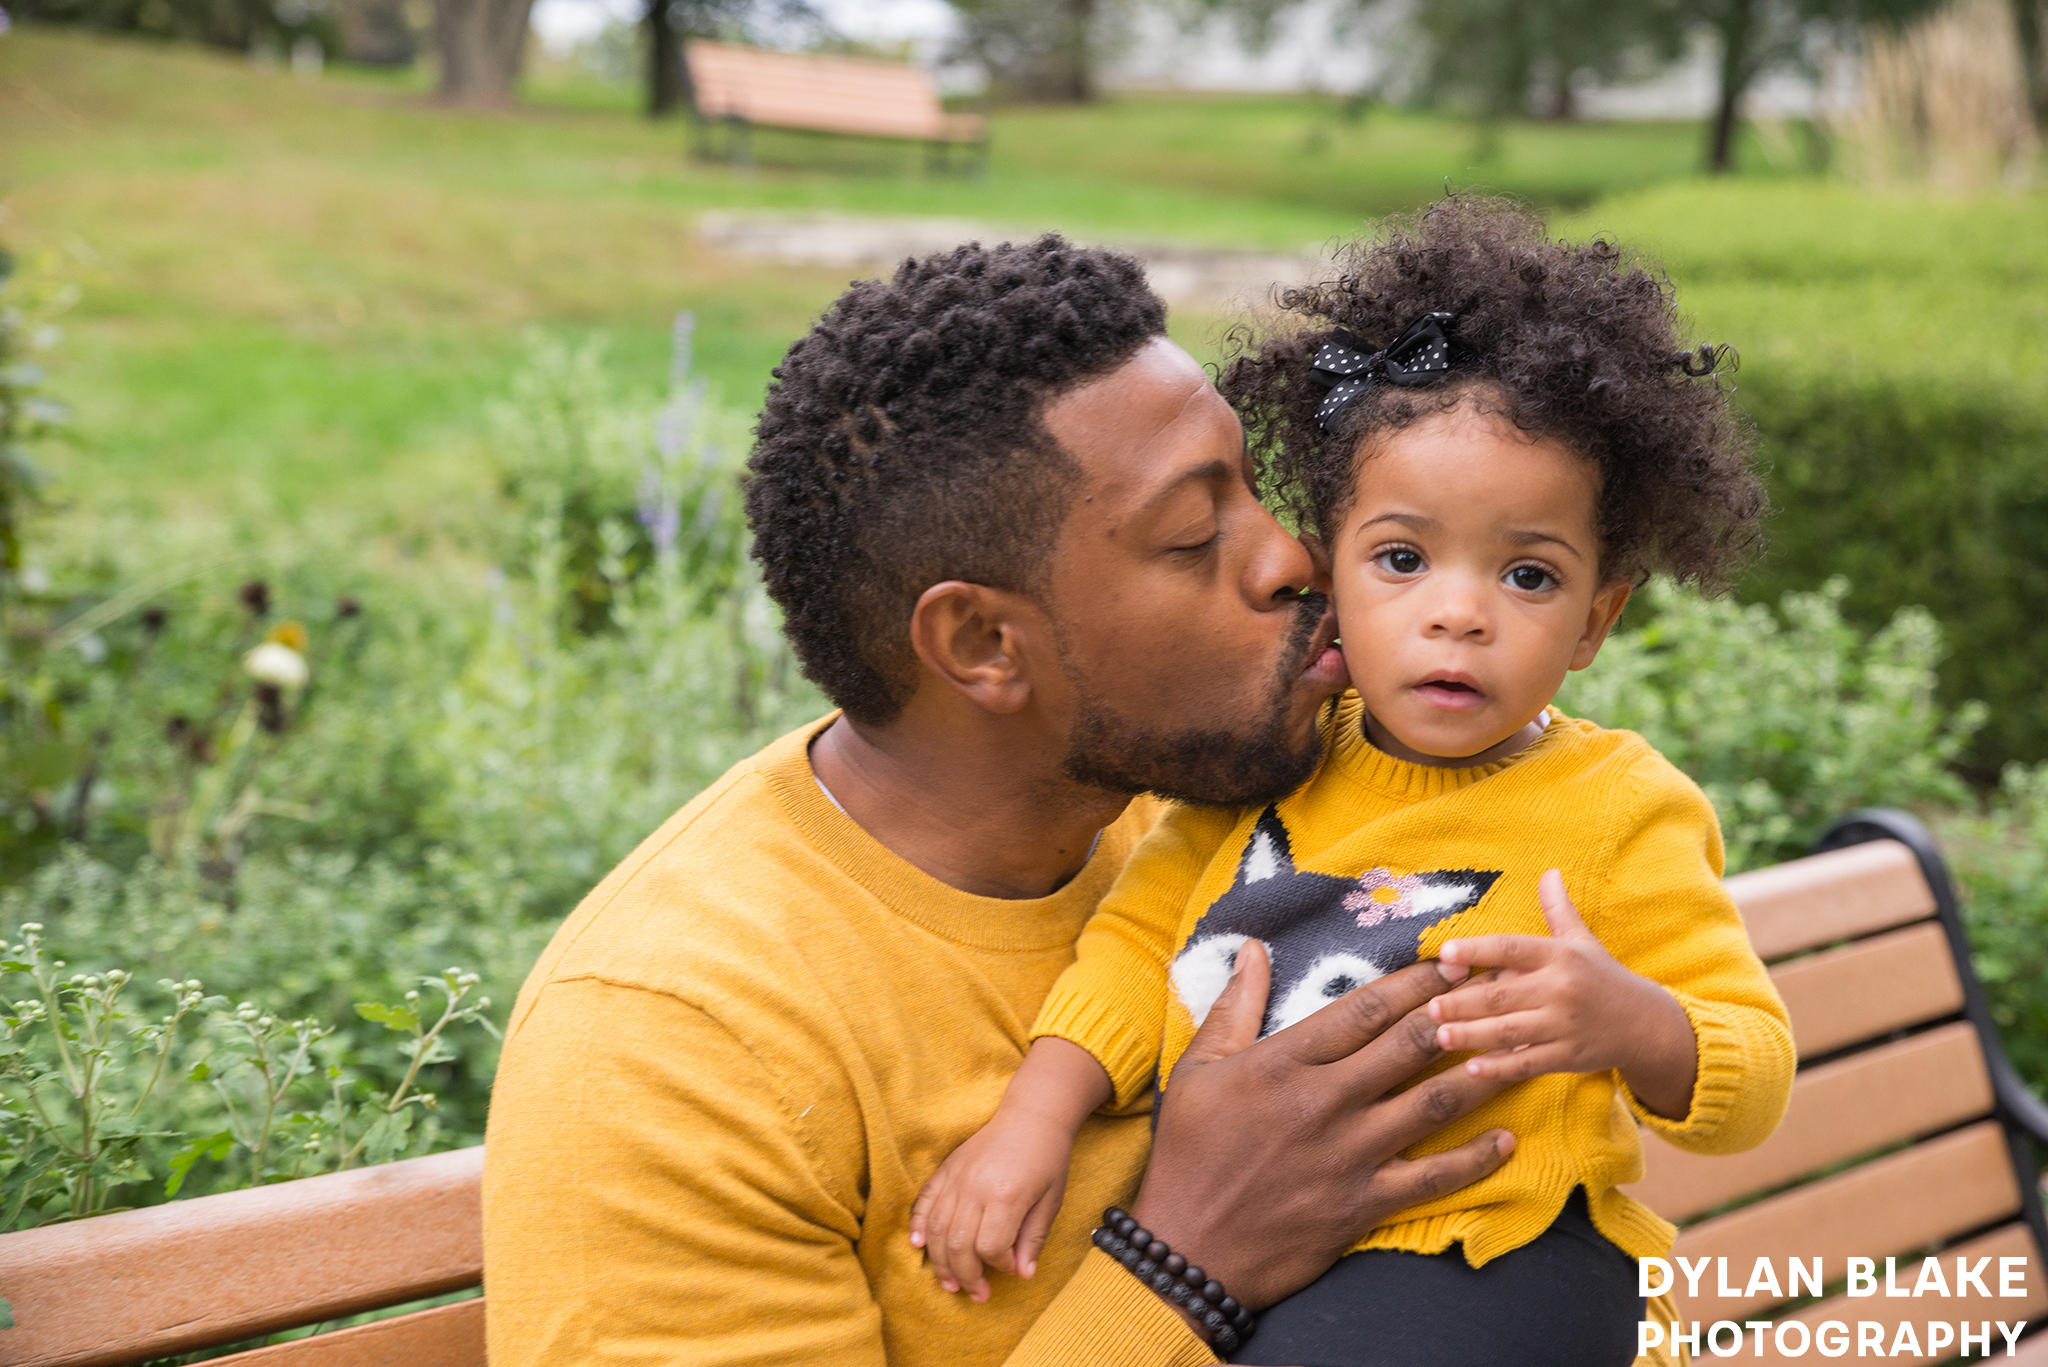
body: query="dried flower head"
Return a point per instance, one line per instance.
(278, 665)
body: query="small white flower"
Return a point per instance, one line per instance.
(273, 662)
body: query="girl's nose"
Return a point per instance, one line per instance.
(1459, 611)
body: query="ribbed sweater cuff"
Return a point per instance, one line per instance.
(1104, 1023)
(1105, 1317)
(1722, 1064)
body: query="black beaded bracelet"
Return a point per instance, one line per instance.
(1167, 1273)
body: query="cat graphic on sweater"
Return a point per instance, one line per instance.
(1324, 934)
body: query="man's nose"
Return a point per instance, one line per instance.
(1282, 569)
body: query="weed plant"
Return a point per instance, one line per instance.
(293, 820)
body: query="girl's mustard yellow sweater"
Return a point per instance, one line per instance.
(1377, 861)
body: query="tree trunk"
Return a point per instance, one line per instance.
(1735, 28)
(483, 44)
(667, 81)
(2031, 18)
(1076, 77)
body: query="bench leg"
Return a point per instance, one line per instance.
(739, 144)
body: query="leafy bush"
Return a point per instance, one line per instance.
(1924, 490)
(432, 773)
(2000, 858)
(1787, 717)
(1893, 349)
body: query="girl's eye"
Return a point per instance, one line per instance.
(1400, 561)
(1530, 579)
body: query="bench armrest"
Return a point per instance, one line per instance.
(2017, 1104)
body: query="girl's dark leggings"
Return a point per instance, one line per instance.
(1566, 1299)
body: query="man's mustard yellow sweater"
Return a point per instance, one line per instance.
(732, 1071)
(1377, 861)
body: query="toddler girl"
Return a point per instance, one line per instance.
(1490, 437)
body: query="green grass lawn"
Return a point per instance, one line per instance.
(300, 294)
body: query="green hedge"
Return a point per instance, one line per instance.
(1895, 359)
(1920, 491)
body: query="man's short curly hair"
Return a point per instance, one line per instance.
(1576, 342)
(902, 445)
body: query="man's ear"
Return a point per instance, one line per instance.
(972, 637)
(1600, 619)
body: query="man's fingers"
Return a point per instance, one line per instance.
(1425, 1179)
(1364, 1014)
(1558, 911)
(1032, 1233)
(1427, 1107)
(1500, 951)
(1233, 1022)
(1510, 1031)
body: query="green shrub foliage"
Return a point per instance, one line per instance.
(442, 767)
(1920, 490)
(1786, 716)
(229, 880)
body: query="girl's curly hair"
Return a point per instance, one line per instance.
(1579, 343)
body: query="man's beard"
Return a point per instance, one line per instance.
(1212, 768)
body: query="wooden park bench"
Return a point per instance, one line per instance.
(196, 1274)
(741, 88)
(1908, 1132)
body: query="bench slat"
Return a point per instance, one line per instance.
(1896, 1091)
(192, 1274)
(831, 94)
(1844, 996)
(446, 1336)
(1839, 895)
(2012, 1241)
(1906, 1201)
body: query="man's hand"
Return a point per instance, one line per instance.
(1273, 1157)
(1565, 1005)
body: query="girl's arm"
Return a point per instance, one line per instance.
(1714, 1082)
(993, 1199)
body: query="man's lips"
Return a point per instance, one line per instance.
(1325, 663)
(1453, 692)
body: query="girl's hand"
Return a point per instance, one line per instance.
(1563, 1004)
(993, 1200)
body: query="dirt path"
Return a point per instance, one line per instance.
(1208, 279)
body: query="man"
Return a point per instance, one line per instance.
(1014, 537)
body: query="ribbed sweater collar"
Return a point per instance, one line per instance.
(1359, 761)
(1019, 925)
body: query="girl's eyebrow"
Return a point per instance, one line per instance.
(1531, 537)
(1413, 521)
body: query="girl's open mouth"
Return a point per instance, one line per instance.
(1452, 692)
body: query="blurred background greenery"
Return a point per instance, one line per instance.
(320, 354)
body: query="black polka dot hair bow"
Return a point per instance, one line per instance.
(1347, 366)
